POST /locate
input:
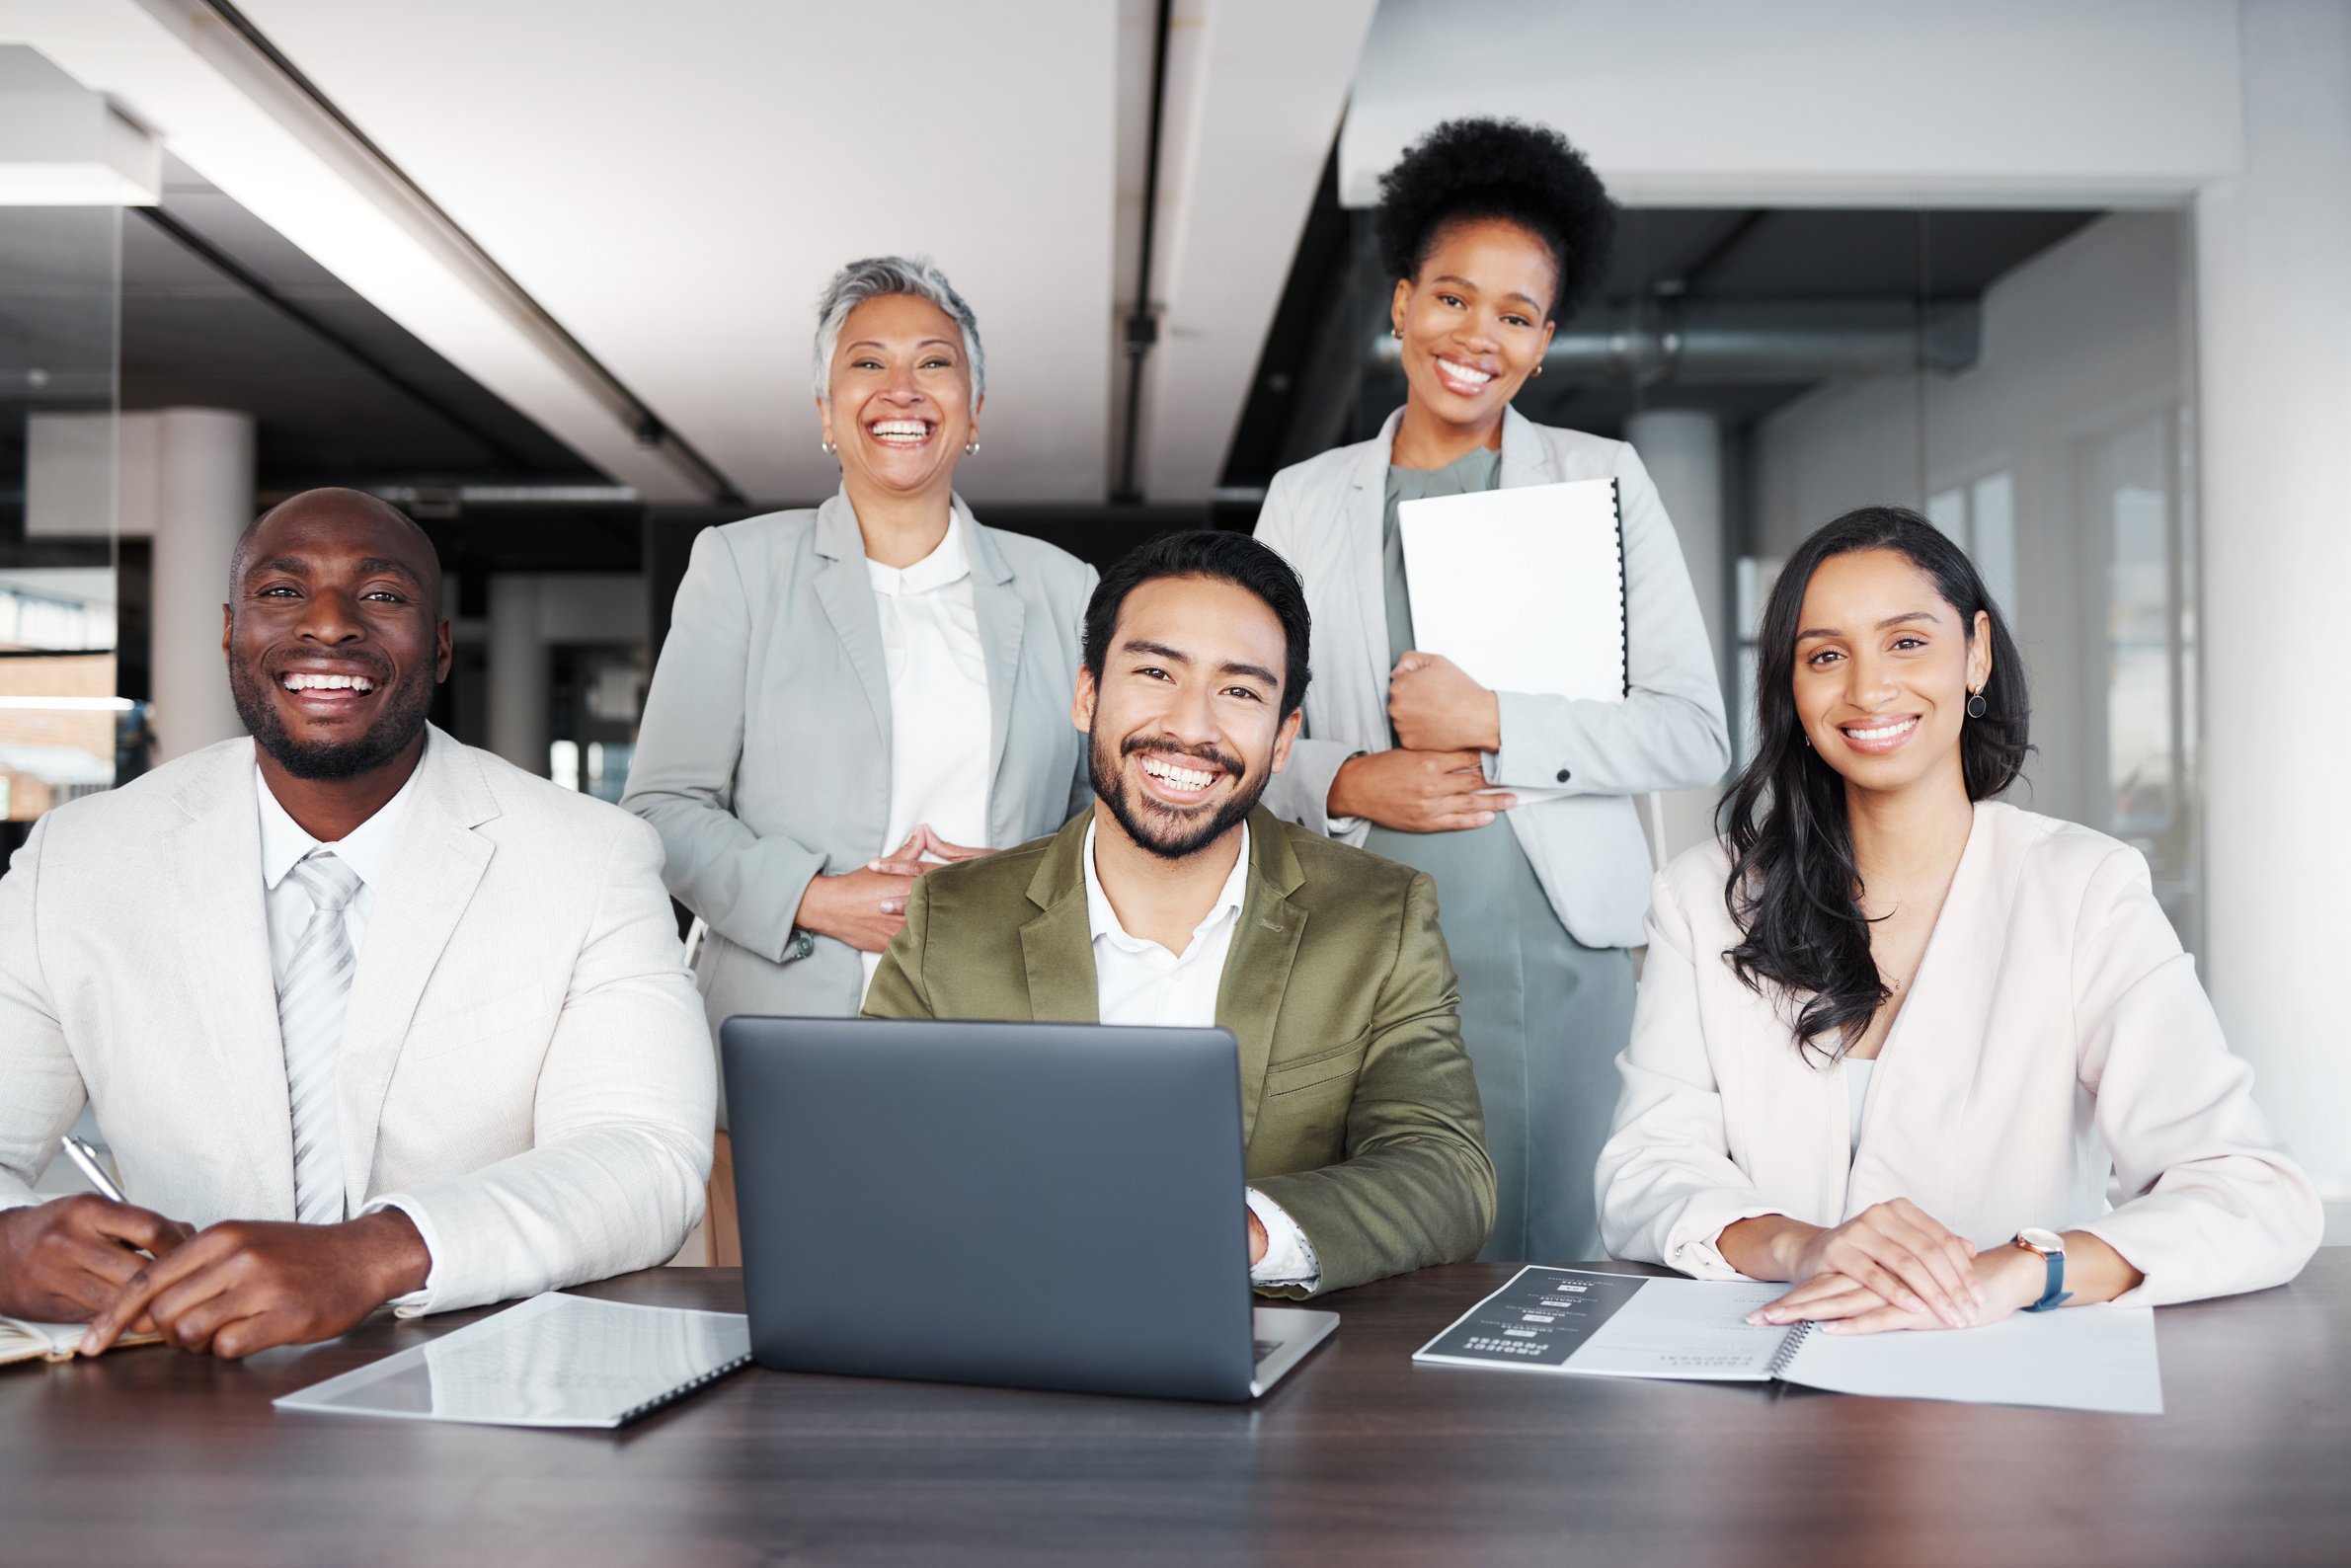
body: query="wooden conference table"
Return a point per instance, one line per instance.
(153, 1456)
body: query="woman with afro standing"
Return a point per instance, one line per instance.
(1494, 231)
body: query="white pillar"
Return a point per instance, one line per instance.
(519, 673)
(1683, 451)
(2274, 337)
(204, 500)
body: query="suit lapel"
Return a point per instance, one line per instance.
(846, 591)
(1264, 949)
(1057, 946)
(213, 869)
(1002, 614)
(1526, 460)
(435, 862)
(1926, 1072)
(1361, 523)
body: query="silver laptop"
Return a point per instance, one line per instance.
(1039, 1205)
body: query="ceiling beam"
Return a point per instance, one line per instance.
(270, 143)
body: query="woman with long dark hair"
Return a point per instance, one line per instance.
(1518, 804)
(1895, 1036)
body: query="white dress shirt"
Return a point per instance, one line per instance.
(938, 698)
(288, 911)
(1138, 981)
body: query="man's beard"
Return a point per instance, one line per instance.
(1170, 832)
(400, 722)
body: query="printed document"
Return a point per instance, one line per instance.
(1622, 1325)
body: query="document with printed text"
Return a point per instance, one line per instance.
(1594, 1323)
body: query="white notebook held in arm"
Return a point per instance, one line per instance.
(1522, 588)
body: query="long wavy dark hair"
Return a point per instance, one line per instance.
(1794, 889)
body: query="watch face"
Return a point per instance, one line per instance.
(2041, 1241)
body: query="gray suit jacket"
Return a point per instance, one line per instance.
(763, 759)
(1325, 515)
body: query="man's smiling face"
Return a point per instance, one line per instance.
(1184, 727)
(334, 634)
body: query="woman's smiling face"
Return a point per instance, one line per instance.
(1475, 320)
(898, 399)
(1884, 666)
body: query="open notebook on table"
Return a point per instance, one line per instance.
(1594, 1323)
(20, 1339)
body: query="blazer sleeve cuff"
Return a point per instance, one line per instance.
(1301, 791)
(1694, 1243)
(1288, 1255)
(417, 1302)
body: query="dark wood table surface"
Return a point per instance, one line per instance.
(153, 1456)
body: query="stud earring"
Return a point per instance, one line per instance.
(1396, 333)
(1538, 369)
(1976, 703)
(826, 448)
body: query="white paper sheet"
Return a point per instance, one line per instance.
(555, 1360)
(1524, 589)
(2076, 1358)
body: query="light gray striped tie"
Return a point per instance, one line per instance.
(310, 1023)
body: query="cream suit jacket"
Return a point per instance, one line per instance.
(2055, 1034)
(525, 1062)
(1325, 516)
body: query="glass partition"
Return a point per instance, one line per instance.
(64, 731)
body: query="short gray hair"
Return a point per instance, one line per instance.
(877, 278)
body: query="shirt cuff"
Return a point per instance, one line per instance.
(1288, 1255)
(417, 1302)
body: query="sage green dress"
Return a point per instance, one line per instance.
(1542, 1015)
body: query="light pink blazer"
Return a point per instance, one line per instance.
(2055, 1034)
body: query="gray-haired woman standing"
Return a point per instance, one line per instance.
(851, 693)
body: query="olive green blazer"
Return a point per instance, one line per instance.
(1359, 1110)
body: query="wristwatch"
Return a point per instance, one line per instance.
(2050, 1249)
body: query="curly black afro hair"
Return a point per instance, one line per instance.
(1471, 168)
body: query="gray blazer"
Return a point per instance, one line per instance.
(763, 759)
(1586, 846)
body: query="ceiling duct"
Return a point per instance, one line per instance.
(1754, 342)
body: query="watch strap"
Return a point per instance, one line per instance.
(2056, 1295)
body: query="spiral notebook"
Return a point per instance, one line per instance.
(1593, 1324)
(1523, 588)
(555, 1360)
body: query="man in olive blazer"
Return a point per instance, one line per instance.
(1360, 1111)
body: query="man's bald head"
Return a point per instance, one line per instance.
(342, 510)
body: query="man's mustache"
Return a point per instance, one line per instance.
(1205, 751)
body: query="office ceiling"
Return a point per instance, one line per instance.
(674, 184)
(218, 309)
(671, 186)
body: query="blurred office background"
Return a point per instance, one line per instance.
(2069, 278)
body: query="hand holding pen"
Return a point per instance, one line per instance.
(64, 1261)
